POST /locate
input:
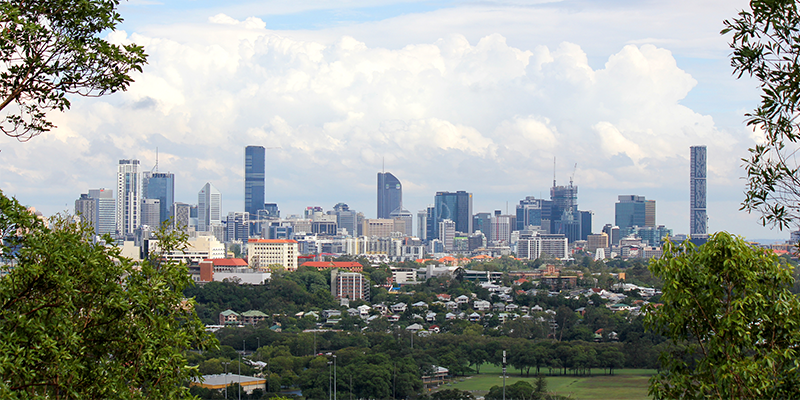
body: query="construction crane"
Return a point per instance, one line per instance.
(573, 174)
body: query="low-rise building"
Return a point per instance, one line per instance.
(263, 253)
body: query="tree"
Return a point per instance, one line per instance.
(452, 394)
(50, 49)
(78, 320)
(734, 324)
(765, 46)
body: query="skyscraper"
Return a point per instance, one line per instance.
(161, 186)
(631, 210)
(105, 215)
(390, 194)
(254, 167)
(456, 207)
(129, 197)
(698, 219)
(209, 208)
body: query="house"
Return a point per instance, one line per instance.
(463, 299)
(430, 317)
(449, 316)
(363, 310)
(499, 306)
(229, 317)
(328, 314)
(353, 312)
(443, 297)
(381, 308)
(413, 328)
(474, 317)
(481, 305)
(511, 307)
(393, 318)
(253, 317)
(399, 307)
(434, 329)
(420, 304)
(451, 305)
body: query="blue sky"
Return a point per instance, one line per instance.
(477, 96)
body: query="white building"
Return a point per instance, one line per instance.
(199, 248)
(129, 196)
(209, 208)
(533, 247)
(264, 252)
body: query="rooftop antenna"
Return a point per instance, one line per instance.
(554, 171)
(383, 165)
(155, 168)
(573, 174)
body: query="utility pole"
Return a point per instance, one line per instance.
(330, 384)
(504, 375)
(334, 377)
(240, 371)
(226, 376)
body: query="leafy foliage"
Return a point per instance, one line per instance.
(766, 45)
(734, 322)
(50, 49)
(78, 320)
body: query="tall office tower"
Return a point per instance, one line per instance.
(533, 212)
(272, 210)
(129, 197)
(182, 213)
(390, 194)
(456, 207)
(254, 167)
(482, 221)
(586, 224)
(209, 208)
(161, 186)
(422, 223)
(447, 233)
(430, 222)
(405, 216)
(151, 213)
(565, 218)
(237, 226)
(346, 218)
(105, 210)
(632, 210)
(613, 234)
(650, 213)
(698, 220)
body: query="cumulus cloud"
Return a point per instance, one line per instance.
(450, 115)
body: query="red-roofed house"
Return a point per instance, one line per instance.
(351, 266)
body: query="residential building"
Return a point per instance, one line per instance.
(698, 221)
(447, 233)
(422, 223)
(129, 197)
(382, 227)
(390, 194)
(533, 247)
(182, 216)
(198, 249)
(261, 253)
(105, 213)
(209, 208)
(599, 241)
(349, 285)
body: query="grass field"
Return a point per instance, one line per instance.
(625, 384)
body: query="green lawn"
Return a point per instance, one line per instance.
(625, 384)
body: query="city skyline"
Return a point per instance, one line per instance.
(463, 99)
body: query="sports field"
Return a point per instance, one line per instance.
(625, 384)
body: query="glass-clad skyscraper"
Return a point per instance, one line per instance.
(254, 178)
(697, 198)
(390, 194)
(160, 186)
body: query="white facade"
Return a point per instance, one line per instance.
(533, 247)
(447, 233)
(264, 252)
(198, 249)
(209, 208)
(129, 196)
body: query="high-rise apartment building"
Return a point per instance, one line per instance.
(105, 205)
(129, 197)
(161, 186)
(447, 233)
(390, 194)
(182, 213)
(422, 223)
(209, 208)
(455, 206)
(698, 219)
(349, 285)
(254, 179)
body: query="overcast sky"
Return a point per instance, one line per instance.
(477, 96)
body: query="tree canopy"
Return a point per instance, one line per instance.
(50, 49)
(733, 321)
(80, 321)
(766, 45)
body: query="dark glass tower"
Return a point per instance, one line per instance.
(390, 194)
(161, 186)
(697, 198)
(254, 165)
(456, 207)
